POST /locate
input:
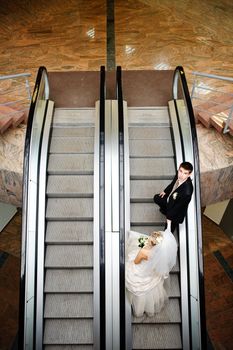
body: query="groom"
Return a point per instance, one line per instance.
(174, 200)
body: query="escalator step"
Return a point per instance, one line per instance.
(150, 148)
(172, 286)
(152, 167)
(145, 189)
(74, 117)
(68, 306)
(70, 185)
(69, 280)
(69, 232)
(149, 133)
(72, 331)
(176, 268)
(73, 131)
(69, 208)
(149, 336)
(169, 314)
(145, 213)
(72, 145)
(68, 347)
(71, 164)
(153, 116)
(69, 256)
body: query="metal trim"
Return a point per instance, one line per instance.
(115, 235)
(220, 77)
(179, 72)
(41, 227)
(96, 242)
(31, 224)
(128, 322)
(12, 76)
(182, 237)
(34, 127)
(115, 168)
(108, 225)
(112, 246)
(192, 237)
(108, 167)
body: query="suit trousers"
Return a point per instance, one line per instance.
(174, 225)
(162, 203)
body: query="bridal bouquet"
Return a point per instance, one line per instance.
(142, 241)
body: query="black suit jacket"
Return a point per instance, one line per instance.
(178, 202)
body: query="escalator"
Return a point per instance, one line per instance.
(69, 230)
(89, 177)
(60, 292)
(158, 140)
(152, 167)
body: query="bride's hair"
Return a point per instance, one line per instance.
(156, 237)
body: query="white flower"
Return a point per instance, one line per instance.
(174, 195)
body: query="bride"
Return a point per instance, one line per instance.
(149, 259)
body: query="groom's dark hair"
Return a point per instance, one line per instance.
(187, 166)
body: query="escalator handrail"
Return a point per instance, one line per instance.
(122, 206)
(101, 338)
(102, 97)
(120, 100)
(180, 75)
(42, 78)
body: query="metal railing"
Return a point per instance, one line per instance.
(190, 231)
(29, 210)
(99, 219)
(15, 94)
(122, 206)
(218, 91)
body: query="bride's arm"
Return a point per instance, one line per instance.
(140, 256)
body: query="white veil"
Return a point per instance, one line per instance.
(163, 255)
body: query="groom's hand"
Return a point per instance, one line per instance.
(162, 194)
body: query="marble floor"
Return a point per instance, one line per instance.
(138, 35)
(147, 34)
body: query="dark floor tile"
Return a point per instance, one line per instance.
(9, 301)
(3, 257)
(8, 326)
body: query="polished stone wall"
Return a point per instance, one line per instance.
(11, 165)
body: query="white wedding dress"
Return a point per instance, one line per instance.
(145, 281)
